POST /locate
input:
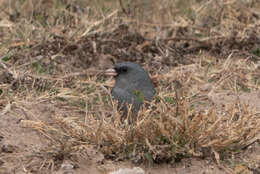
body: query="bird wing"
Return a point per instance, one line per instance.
(124, 96)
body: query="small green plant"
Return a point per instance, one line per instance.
(256, 52)
(41, 19)
(170, 100)
(38, 67)
(6, 58)
(148, 157)
(139, 95)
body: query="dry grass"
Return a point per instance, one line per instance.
(53, 51)
(170, 127)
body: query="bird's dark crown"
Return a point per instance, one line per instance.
(124, 67)
(121, 69)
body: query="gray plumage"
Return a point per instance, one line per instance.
(133, 85)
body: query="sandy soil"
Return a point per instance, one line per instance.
(210, 50)
(21, 148)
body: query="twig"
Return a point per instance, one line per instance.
(98, 23)
(123, 8)
(251, 55)
(14, 74)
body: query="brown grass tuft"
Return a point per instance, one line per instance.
(204, 54)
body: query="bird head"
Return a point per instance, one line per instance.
(130, 76)
(133, 85)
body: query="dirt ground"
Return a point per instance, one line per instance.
(21, 149)
(56, 114)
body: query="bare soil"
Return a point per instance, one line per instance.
(23, 149)
(55, 108)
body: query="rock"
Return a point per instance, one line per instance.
(135, 170)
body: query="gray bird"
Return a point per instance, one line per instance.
(133, 85)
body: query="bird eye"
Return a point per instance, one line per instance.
(122, 69)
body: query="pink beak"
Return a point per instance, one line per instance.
(111, 72)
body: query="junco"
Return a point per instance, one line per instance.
(132, 85)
